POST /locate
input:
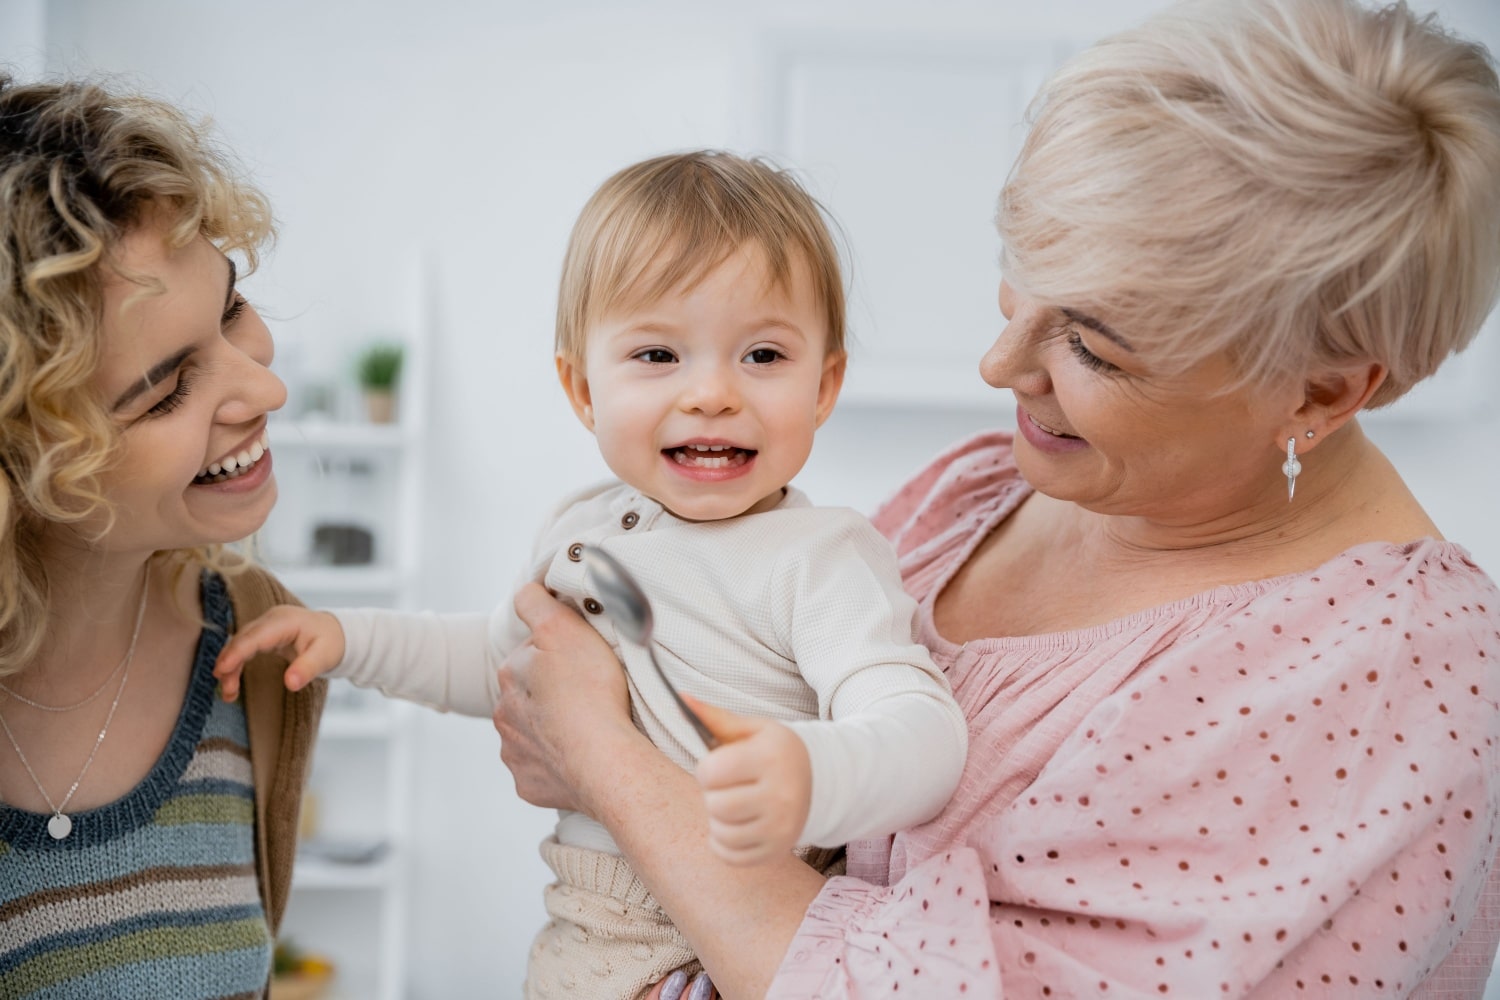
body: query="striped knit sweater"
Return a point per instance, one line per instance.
(154, 895)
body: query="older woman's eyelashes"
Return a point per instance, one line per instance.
(1086, 356)
(179, 393)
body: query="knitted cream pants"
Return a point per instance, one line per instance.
(607, 938)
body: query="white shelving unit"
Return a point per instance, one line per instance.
(350, 888)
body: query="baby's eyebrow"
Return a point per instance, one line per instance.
(1097, 325)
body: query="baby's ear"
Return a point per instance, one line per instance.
(576, 385)
(830, 384)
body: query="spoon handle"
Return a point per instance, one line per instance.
(698, 724)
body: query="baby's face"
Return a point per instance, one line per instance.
(707, 399)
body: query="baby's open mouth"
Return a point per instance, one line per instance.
(709, 456)
(235, 465)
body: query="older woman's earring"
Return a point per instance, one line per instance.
(1291, 468)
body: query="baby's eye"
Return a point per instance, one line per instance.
(655, 356)
(764, 356)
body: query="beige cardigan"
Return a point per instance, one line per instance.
(283, 726)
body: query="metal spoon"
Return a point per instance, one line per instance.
(628, 608)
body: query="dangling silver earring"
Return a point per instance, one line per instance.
(1291, 468)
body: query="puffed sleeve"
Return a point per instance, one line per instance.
(1296, 796)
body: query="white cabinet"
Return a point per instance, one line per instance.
(350, 896)
(346, 532)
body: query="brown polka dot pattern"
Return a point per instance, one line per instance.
(1277, 789)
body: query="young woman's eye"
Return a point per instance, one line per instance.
(175, 398)
(235, 310)
(764, 356)
(655, 356)
(1086, 356)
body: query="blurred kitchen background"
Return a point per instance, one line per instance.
(425, 162)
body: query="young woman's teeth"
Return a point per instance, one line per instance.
(236, 465)
(710, 456)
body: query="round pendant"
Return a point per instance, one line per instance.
(59, 826)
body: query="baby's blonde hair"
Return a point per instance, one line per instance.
(1300, 184)
(672, 219)
(80, 166)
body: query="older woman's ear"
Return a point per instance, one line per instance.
(1333, 397)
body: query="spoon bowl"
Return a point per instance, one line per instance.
(627, 606)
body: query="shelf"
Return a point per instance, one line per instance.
(356, 724)
(315, 873)
(351, 879)
(339, 434)
(366, 581)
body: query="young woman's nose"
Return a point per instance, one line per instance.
(251, 389)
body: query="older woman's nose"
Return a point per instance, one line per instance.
(1014, 360)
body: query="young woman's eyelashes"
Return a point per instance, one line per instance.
(175, 398)
(236, 308)
(185, 375)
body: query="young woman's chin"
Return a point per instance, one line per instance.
(240, 513)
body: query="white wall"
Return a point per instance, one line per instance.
(477, 131)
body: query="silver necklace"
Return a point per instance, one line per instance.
(60, 825)
(140, 615)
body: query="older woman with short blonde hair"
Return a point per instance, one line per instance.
(1232, 696)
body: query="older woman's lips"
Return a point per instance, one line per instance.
(1044, 440)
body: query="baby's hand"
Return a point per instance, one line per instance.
(312, 640)
(757, 786)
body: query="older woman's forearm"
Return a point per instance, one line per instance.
(738, 920)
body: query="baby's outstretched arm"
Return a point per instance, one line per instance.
(312, 640)
(757, 786)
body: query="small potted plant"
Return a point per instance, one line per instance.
(379, 370)
(299, 975)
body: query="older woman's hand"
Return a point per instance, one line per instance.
(563, 700)
(677, 987)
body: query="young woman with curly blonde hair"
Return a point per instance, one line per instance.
(146, 828)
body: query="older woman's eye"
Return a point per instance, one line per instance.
(1087, 357)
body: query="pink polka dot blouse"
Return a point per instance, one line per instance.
(1280, 788)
